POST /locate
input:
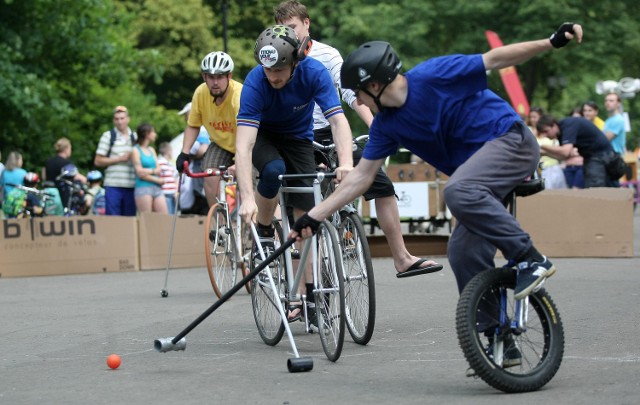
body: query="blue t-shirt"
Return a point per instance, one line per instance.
(615, 124)
(448, 115)
(15, 176)
(289, 110)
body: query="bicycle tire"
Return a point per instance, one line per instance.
(541, 344)
(263, 300)
(329, 294)
(221, 250)
(359, 282)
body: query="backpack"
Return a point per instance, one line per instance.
(53, 202)
(14, 203)
(113, 139)
(99, 204)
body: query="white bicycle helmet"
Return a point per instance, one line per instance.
(217, 63)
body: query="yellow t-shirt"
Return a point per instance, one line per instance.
(219, 120)
(598, 122)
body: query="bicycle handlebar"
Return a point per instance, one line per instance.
(319, 146)
(30, 190)
(222, 172)
(318, 175)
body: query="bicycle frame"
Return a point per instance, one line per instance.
(221, 198)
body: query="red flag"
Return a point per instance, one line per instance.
(510, 80)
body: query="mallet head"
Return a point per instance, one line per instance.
(167, 345)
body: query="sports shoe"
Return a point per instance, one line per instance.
(312, 317)
(511, 355)
(531, 275)
(268, 247)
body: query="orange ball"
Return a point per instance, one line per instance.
(113, 361)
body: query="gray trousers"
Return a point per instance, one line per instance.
(475, 195)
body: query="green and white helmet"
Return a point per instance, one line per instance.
(277, 46)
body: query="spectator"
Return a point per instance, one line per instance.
(95, 198)
(169, 174)
(592, 145)
(1, 170)
(148, 189)
(53, 169)
(21, 203)
(13, 173)
(114, 153)
(295, 15)
(533, 117)
(614, 125)
(590, 111)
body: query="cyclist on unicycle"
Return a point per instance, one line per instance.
(443, 111)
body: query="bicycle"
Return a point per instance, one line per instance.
(275, 288)
(513, 345)
(360, 295)
(227, 239)
(28, 211)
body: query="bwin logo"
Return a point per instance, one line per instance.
(48, 229)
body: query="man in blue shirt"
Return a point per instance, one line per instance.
(276, 120)
(443, 112)
(614, 125)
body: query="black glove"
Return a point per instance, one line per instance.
(182, 157)
(558, 39)
(306, 221)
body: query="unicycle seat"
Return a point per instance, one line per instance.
(529, 187)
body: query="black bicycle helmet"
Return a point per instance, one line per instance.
(276, 46)
(375, 60)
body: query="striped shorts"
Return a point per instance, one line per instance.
(215, 157)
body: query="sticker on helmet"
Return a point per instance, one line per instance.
(364, 75)
(268, 55)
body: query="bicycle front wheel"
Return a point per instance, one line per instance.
(329, 294)
(264, 298)
(513, 345)
(220, 248)
(359, 284)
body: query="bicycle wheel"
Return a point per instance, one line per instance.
(263, 298)
(329, 294)
(220, 248)
(359, 284)
(514, 346)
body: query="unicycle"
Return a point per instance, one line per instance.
(513, 345)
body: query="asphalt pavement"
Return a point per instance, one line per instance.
(57, 332)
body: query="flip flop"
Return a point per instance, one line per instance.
(294, 312)
(416, 270)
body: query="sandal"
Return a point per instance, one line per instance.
(294, 312)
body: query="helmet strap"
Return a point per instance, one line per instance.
(376, 99)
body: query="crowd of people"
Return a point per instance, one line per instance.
(581, 150)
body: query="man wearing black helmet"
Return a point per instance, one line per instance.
(443, 112)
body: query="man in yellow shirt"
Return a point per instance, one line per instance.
(215, 106)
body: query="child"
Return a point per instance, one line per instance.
(95, 198)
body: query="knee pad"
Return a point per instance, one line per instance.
(269, 184)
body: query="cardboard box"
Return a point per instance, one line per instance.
(68, 245)
(596, 222)
(414, 172)
(188, 241)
